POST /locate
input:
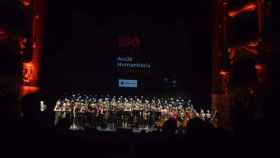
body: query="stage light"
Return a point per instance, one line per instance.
(26, 3)
(24, 49)
(28, 90)
(22, 42)
(259, 67)
(223, 72)
(251, 50)
(27, 73)
(247, 8)
(233, 13)
(232, 53)
(253, 44)
(34, 45)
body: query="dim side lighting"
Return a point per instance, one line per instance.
(22, 42)
(3, 34)
(258, 67)
(34, 45)
(26, 3)
(253, 44)
(27, 73)
(232, 14)
(2, 31)
(3, 37)
(223, 72)
(28, 90)
(247, 8)
(251, 50)
(29, 65)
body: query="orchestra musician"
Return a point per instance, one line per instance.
(75, 116)
(202, 114)
(58, 112)
(208, 115)
(83, 115)
(92, 115)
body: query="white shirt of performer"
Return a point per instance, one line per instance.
(83, 109)
(202, 115)
(208, 115)
(64, 106)
(75, 109)
(57, 107)
(164, 112)
(58, 103)
(196, 114)
(43, 106)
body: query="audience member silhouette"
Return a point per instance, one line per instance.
(31, 109)
(170, 126)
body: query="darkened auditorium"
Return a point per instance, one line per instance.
(125, 79)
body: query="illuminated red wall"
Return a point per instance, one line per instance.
(31, 70)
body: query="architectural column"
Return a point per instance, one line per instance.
(220, 101)
(31, 69)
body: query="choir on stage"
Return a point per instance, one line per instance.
(112, 112)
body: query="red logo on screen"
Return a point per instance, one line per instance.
(128, 42)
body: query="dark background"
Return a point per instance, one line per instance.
(79, 46)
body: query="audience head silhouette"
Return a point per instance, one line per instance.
(31, 107)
